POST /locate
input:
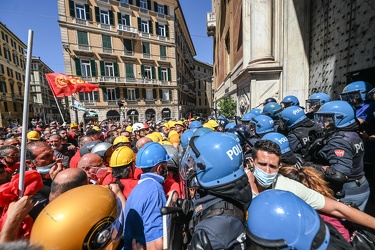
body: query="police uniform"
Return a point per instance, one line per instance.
(344, 152)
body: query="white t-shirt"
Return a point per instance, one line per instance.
(311, 197)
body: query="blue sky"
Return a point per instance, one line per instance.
(20, 16)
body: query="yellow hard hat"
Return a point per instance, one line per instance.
(73, 125)
(122, 139)
(96, 128)
(153, 137)
(165, 124)
(129, 129)
(207, 125)
(171, 124)
(79, 218)
(122, 156)
(213, 123)
(180, 123)
(175, 138)
(158, 134)
(33, 135)
(172, 132)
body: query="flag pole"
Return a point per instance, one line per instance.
(58, 106)
(25, 118)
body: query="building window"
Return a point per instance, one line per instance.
(164, 74)
(82, 38)
(146, 48)
(106, 40)
(128, 45)
(131, 95)
(125, 20)
(144, 26)
(124, 1)
(129, 70)
(111, 94)
(89, 97)
(163, 50)
(86, 68)
(143, 4)
(161, 9)
(3, 87)
(161, 30)
(104, 17)
(149, 94)
(109, 70)
(165, 94)
(147, 72)
(80, 12)
(4, 36)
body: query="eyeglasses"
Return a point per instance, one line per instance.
(13, 155)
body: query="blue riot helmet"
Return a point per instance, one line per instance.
(317, 100)
(268, 100)
(262, 124)
(279, 219)
(356, 92)
(247, 118)
(195, 125)
(222, 121)
(280, 140)
(290, 116)
(229, 126)
(371, 95)
(290, 100)
(216, 160)
(241, 131)
(202, 131)
(185, 138)
(221, 117)
(256, 111)
(338, 114)
(272, 109)
(151, 154)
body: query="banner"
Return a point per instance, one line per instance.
(63, 85)
(79, 105)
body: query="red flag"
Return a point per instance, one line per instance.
(63, 85)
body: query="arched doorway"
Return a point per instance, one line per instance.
(165, 113)
(113, 115)
(150, 113)
(90, 117)
(132, 116)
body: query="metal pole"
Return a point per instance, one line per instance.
(25, 118)
(75, 110)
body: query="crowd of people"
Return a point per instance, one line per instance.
(280, 176)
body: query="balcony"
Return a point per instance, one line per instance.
(104, 1)
(108, 51)
(132, 81)
(163, 58)
(89, 103)
(129, 53)
(84, 47)
(132, 102)
(144, 34)
(146, 56)
(108, 79)
(129, 29)
(124, 5)
(88, 79)
(145, 11)
(162, 38)
(105, 26)
(149, 101)
(211, 24)
(80, 21)
(112, 103)
(161, 15)
(165, 101)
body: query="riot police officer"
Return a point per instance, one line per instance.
(314, 102)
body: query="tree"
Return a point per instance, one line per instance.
(227, 107)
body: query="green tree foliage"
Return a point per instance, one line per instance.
(227, 107)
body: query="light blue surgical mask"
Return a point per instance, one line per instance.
(45, 169)
(264, 179)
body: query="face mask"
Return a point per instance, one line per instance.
(264, 179)
(45, 169)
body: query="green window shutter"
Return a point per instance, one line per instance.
(115, 68)
(97, 14)
(170, 95)
(110, 14)
(154, 93)
(149, 4)
(119, 18)
(128, 45)
(81, 96)
(157, 28)
(88, 12)
(106, 40)
(144, 94)
(102, 69)
(166, 30)
(139, 24)
(104, 91)
(82, 38)
(129, 70)
(137, 3)
(127, 18)
(96, 96)
(153, 73)
(150, 28)
(160, 94)
(72, 8)
(78, 66)
(163, 50)
(137, 94)
(125, 94)
(159, 73)
(166, 9)
(169, 74)
(142, 70)
(93, 67)
(156, 7)
(117, 93)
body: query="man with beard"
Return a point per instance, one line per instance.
(61, 150)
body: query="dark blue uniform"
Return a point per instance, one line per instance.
(344, 152)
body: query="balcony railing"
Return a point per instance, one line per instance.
(162, 38)
(80, 21)
(124, 5)
(88, 79)
(105, 26)
(128, 53)
(90, 103)
(104, 1)
(112, 103)
(107, 51)
(108, 79)
(127, 28)
(147, 56)
(161, 15)
(128, 80)
(163, 58)
(142, 10)
(84, 47)
(144, 34)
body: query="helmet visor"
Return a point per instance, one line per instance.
(313, 104)
(188, 165)
(351, 97)
(325, 120)
(286, 104)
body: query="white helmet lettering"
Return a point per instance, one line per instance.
(236, 150)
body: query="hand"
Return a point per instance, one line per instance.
(330, 171)
(137, 246)
(72, 147)
(117, 191)
(55, 169)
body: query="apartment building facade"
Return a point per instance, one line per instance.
(131, 49)
(203, 89)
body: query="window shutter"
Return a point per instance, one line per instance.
(153, 73)
(102, 69)
(169, 74)
(88, 12)
(119, 18)
(125, 94)
(71, 8)
(115, 68)
(149, 4)
(97, 14)
(137, 3)
(93, 67)
(78, 66)
(131, 2)
(81, 96)
(139, 24)
(129, 70)
(127, 18)
(137, 94)
(166, 30)
(110, 14)
(118, 93)
(143, 70)
(96, 96)
(159, 73)
(157, 28)
(154, 94)
(144, 94)
(170, 95)
(156, 7)
(166, 9)
(104, 91)
(150, 27)
(160, 94)
(128, 45)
